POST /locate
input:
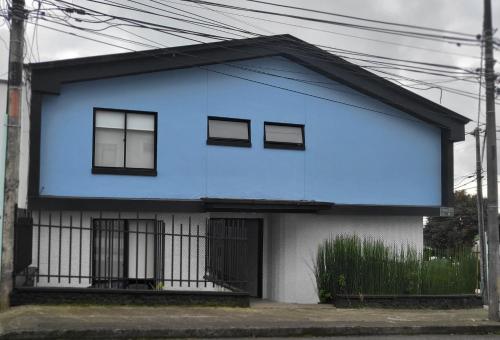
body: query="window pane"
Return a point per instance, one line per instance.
(227, 129)
(108, 119)
(143, 122)
(284, 134)
(140, 149)
(139, 231)
(108, 147)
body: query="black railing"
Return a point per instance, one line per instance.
(123, 251)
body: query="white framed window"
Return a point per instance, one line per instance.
(284, 136)
(124, 142)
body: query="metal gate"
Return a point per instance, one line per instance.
(227, 259)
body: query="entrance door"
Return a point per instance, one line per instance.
(109, 269)
(234, 254)
(128, 253)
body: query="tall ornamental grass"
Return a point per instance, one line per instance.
(350, 265)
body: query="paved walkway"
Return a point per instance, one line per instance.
(262, 319)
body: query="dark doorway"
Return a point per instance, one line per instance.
(254, 237)
(234, 254)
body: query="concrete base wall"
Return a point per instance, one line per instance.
(293, 240)
(53, 296)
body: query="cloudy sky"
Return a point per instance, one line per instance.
(457, 15)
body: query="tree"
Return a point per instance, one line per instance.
(457, 231)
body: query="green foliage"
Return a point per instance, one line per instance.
(349, 265)
(446, 232)
(449, 272)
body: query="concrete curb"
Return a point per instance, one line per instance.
(248, 332)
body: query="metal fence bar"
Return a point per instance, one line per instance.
(180, 256)
(121, 229)
(163, 252)
(38, 246)
(197, 255)
(137, 252)
(50, 247)
(60, 245)
(207, 250)
(70, 245)
(146, 236)
(91, 244)
(172, 253)
(98, 234)
(111, 251)
(189, 253)
(155, 253)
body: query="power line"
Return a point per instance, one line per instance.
(362, 19)
(405, 78)
(452, 67)
(111, 3)
(369, 75)
(184, 18)
(413, 70)
(452, 90)
(322, 57)
(413, 34)
(480, 88)
(363, 54)
(465, 184)
(328, 31)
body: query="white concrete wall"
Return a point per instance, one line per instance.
(293, 240)
(289, 246)
(3, 141)
(22, 200)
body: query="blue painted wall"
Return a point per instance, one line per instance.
(353, 155)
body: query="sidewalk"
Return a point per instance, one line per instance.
(262, 319)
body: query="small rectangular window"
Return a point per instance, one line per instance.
(124, 142)
(284, 136)
(228, 131)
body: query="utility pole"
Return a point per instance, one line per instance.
(492, 167)
(480, 218)
(16, 52)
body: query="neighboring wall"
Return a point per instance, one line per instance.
(3, 140)
(293, 240)
(364, 152)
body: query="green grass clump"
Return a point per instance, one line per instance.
(349, 265)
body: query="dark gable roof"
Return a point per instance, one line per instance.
(47, 77)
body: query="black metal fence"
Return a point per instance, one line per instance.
(128, 251)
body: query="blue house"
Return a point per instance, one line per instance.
(221, 166)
